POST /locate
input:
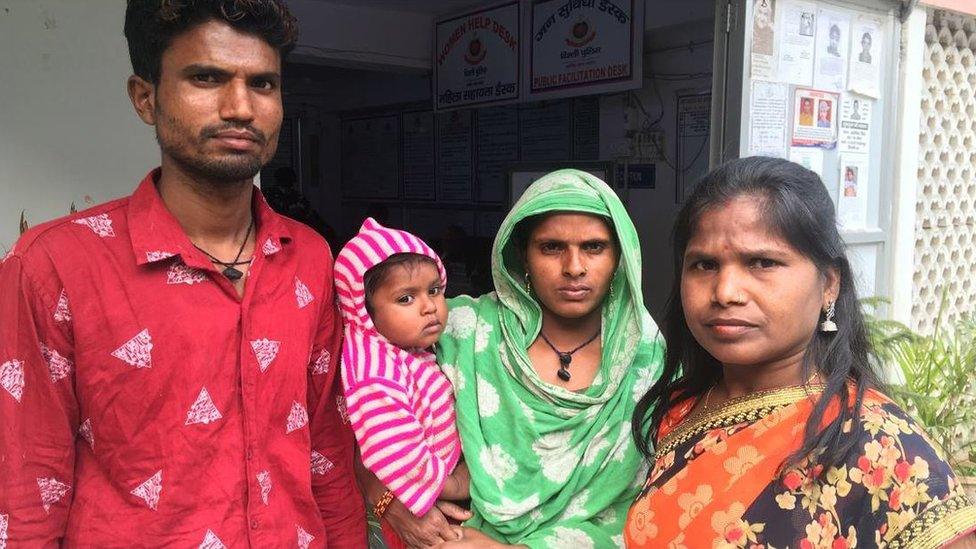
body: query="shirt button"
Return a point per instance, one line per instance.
(254, 524)
(250, 454)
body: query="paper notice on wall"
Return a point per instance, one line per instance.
(855, 125)
(852, 193)
(768, 118)
(867, 45)
(815, 118)
(833, 34)
(764, 40)
(810, 158)
(797, 24)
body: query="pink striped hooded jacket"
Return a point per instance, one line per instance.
(400, 404)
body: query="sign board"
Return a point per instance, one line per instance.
(579, 47)
(639, 176)
(476, 57)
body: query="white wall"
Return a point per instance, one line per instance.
(67, 129)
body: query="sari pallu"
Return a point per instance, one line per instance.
(716, 482)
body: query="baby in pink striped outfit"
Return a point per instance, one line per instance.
(391, 292)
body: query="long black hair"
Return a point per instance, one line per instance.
(795, 204)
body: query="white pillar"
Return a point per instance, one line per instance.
(902, 263)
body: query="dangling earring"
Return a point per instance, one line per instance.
(528, 284)
(828, 325)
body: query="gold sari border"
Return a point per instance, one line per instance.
(748, 408)
(938, 525)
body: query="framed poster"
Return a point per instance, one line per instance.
(477, 57)
(497, 146)
(455, 158)
(580, 47)
(418, 143)
(369, 157)
(546, 130)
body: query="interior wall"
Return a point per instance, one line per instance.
(67, 130)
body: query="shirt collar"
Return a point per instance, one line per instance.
(156, 234)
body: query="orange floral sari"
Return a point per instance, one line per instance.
(716, 482)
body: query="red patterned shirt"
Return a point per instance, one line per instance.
(144, 403)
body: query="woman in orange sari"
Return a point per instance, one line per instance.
(769, 427)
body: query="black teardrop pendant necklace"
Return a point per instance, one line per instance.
(230, 271)
(566, 358)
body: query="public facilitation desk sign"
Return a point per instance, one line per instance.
(578, 47)
(476, 57)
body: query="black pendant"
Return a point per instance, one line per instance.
(563, 374)
(565, 359)
(232, 274)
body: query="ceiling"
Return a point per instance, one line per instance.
(429, 7)
(659, 13)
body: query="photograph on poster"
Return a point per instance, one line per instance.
(815, 118)
(852, 191)
(797, 21)
(769, 105)
(855, 124)
(825, 115)
(830, 69)
(763, 39)
(850, 182)
(865, 55)
(867, 43)
(806, 23)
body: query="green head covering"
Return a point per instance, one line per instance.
(550, 467)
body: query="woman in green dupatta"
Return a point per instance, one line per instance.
(546, 432)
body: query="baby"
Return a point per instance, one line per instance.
(391, 292)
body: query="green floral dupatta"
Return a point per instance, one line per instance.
(551, 467)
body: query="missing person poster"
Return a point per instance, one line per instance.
(476, 57)
(797, 23)
(833, 35)
(763, 40)
(867, 43)
(579, 47)
(815, 118)
(852, 193)
(855, 124)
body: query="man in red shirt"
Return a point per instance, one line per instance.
(168, 360)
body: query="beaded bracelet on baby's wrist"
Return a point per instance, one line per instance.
(384, 502)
